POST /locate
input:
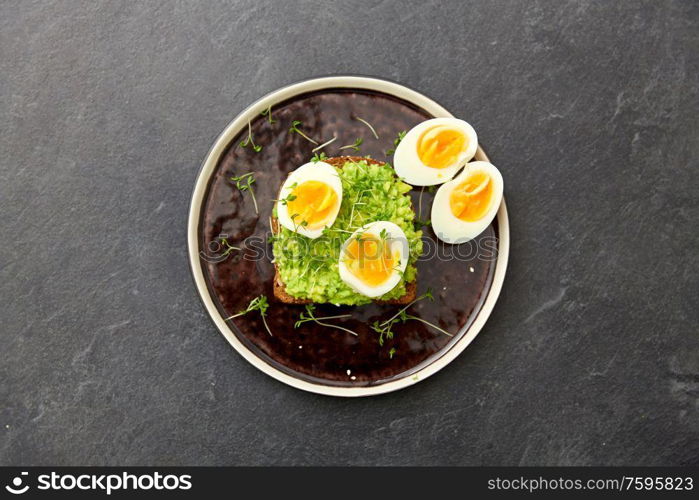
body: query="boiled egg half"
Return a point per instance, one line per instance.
(373, 259)
(310, 199)
(464, 207)
(433, 151)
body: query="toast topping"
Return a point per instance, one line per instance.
(370, 259)
(312, 203)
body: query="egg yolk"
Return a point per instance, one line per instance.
(369, 258)
(440, 146)
(311, 203)
(470, 200)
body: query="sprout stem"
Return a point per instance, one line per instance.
(324, 144)
(370, 127)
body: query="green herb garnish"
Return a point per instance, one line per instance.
(268, 114)
(382, 331)
(285, 201)
(396, 141)
(257, 304)
(354, 146)
(385, 328)
(229, 248)
(391, 352)
(243, 144)
(383, 234)
(295, 128)
(310, 316)
(303, 223)
(319, 157)
(244, 183)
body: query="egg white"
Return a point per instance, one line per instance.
(450, 228)
(412, 170)
(398, 241)
(319, 171)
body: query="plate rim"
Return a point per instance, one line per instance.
(195, 263)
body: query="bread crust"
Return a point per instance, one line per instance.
(279, 288)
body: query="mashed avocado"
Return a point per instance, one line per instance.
(308, 267)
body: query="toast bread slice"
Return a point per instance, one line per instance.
(279, 289)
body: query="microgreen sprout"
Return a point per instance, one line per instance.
(396, 141)
(391, 352)
(368, 125)
(243, 144)
(382, 331)
(405, 317)
(310, 316)
(229, 248)
(426, 295)
(244, 183)
(383, 246)
(257, 304)
(385, 328)
(317, 148)
(354, 146)
(358, 202)
(268, 114)
(295, 128)
(319, 157)
(303, 223)
(285, 201)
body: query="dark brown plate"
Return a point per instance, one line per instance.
(463, 278)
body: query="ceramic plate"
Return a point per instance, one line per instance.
(465, 279)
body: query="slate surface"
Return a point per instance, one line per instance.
(590, 111)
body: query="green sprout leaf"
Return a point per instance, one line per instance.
(319, 157)
(268, 114)
(396, 141)
(257, 304)
(295, 129)
(244, 183)
(385, 328)
(355, 145)
(249, 141)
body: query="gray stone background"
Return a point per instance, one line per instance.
(589, 109)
